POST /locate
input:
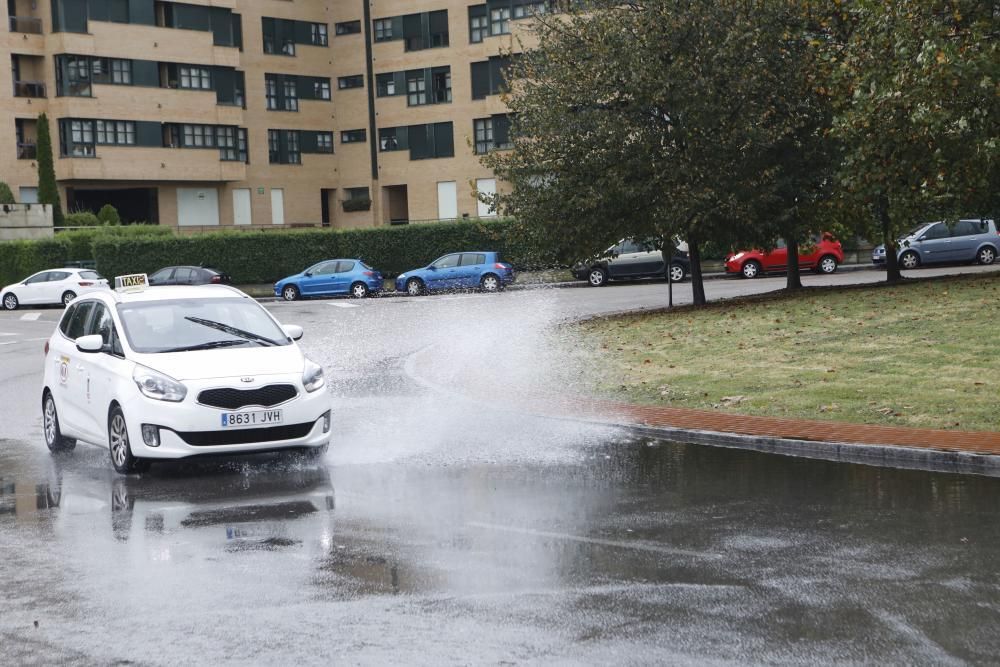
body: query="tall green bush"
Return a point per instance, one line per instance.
(48, 191)
(108, 215)
(6, 196)
(20, 259)
(81, 219)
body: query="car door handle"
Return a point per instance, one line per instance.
(79, 367)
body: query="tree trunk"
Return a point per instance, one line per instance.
(794, 278)
(891, 262)
(667, 250)
(697, 284)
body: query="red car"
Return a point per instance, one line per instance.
(822, 255)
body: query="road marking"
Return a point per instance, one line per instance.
(26, 340)
(636, 546)
(30, 317)
(6, 334)
(343, 305)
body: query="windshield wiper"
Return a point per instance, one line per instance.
(233, 331)
(210, 345)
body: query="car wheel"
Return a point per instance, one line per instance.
(986, 255)
(597, 277)
(414, 287)
(50, 423)
(67, 297)
(359, 290)
(751, 269)
(909, 260)
(827, 264)
(677, 273)
(10, 302)
(118, 444)
(290, 293)
(490, 283)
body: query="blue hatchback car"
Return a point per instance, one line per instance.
(458, 270)
(331, 277)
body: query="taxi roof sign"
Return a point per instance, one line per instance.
(135, 282)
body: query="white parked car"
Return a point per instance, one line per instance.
(174, 372)
(51, 287)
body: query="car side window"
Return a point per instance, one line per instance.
(78, 325)
(182, 276)
(938, 231)
(630, 246)
(345, 267)
(965, 228)
(447, 262)
(101, 323)
(55, 276)
(161, 275)
(40, 278)
(472, 259)
(325, 269)
(66, 318)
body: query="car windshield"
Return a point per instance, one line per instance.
(186, 324)
(915, 230)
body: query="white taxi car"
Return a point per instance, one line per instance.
(175, 372)
(52, 287)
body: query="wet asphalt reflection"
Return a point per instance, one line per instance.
(443, 531)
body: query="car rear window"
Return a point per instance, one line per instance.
(90, 275)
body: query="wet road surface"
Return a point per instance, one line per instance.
(443, 530)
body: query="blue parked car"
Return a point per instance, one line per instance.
(459, 270)
(329, 277)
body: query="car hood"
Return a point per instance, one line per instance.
(411, 272)
(297, 276)
(231, 362)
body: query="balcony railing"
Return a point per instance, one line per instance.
(29, 89)
(26, 151)
(28, 24)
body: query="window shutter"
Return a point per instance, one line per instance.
(145, 73)
(501, 129)
(438, 28)
(141, 12)
(304, 86)
(237, 21)
(148, 133)
(419, 148)
(192, 17)
(97, 10)
(480, 80)
(413, 32)
(225, 84)
(444, 140)
(222, 26)
(118, 11)
(303, 32)
(307, 142)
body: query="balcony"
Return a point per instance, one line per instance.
(136, 163)
(29, 89)
(27, 151)
(26, 24)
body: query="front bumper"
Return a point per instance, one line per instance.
(191, 429)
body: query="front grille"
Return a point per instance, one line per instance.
(234, 399)
(245, 436)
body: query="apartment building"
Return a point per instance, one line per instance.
(261, 112)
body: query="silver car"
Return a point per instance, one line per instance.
(941, 242)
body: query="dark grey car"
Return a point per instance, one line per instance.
(942, 242)
(631, 259)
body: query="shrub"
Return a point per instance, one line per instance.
(108, 215)
(6, 196)
(48, 191)
(81, 219)
(359, 204)
(20, 259)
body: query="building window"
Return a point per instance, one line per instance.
(385, 85)
(321, 89)
(271, 89)
(441, 85)
(292, 139)
(324, 142)
(389, 139)
(348, 28)
(383, 30)
(283, 147)
(242, 145)
(317, 34)
(115, 132)
(121, 71)
(81, 135)
(199, 78)
(353, 81)
(198, 136)
(273, 146)
(489, 77)
(291, 96)
(416, 88)
(484, 135)
(500, 21)
(353, 136)
(479, 26)
(73, 75)
(225, 139)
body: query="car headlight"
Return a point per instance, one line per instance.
(401, 276)
(156, 385)
(736, 256)
(312, 376)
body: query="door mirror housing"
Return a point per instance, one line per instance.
(293, 331)
(432, 268)
(90, 344)
(308, 274)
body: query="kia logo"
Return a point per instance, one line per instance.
(246, 379)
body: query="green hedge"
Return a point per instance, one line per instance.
(265, 256)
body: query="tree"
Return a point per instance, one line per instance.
(916, 85)
(652, 120)
(6, 196)
(48, 191)
(108, 215)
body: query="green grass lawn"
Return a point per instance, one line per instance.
(920, 354)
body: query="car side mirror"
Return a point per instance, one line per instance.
(308, 274)
(90, 344)
(293, 331)
(432, 268)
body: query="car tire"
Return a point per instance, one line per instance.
(677, 273)
(290, 293)
(827, 264)
(490, 283)
(909, 260)
(597, 277)
(415, 287)
(359, 290)
(120, 447)
(750, 269)
(10, 302)
(986, 255)
(68, 296)
(50, 426)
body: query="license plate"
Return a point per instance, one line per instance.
(251, 419)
